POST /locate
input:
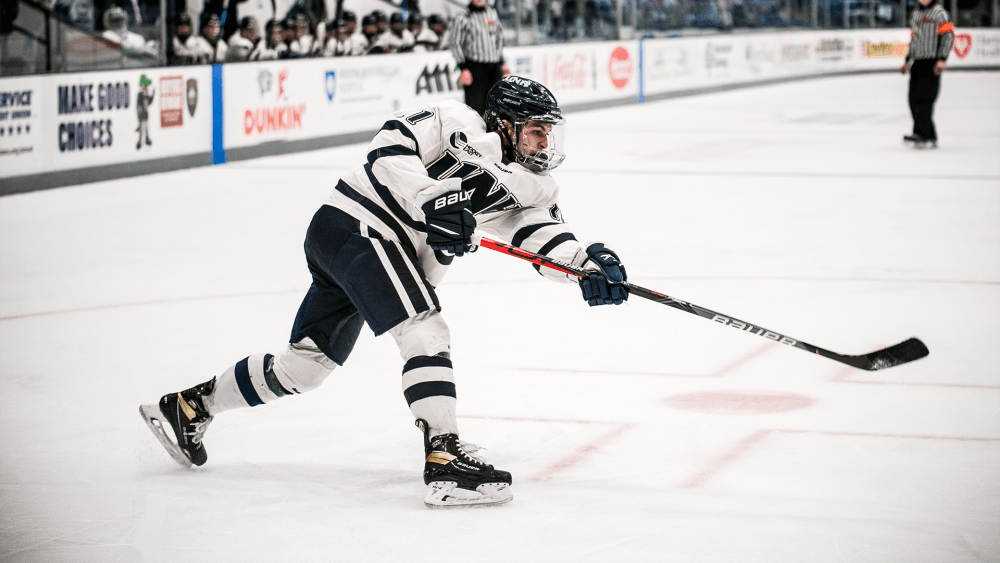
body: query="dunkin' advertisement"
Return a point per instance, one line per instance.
(291, 100)
(67, 121)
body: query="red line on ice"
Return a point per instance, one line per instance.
(580, 453)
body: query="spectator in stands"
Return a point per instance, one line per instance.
(477, 45)
(243, 43)
(210, 47)
(116, 31)
(423, 38)
(437, 24)
(272, 46)
(406, 39)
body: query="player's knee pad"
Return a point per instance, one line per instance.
(302, 367)
(425, 334)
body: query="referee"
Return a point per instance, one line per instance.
(931, 38)
(477, 45)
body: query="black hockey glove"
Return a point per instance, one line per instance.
(450, 222)
(603, 287)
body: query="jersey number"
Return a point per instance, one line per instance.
(488, 196)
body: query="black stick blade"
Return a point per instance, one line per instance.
(906, 351)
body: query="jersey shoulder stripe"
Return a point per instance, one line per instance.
(380, 213)
(391, 203)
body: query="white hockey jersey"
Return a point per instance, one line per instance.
(422, 153)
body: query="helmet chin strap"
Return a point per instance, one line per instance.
(509, 149)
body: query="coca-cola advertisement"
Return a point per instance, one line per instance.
(583, 73)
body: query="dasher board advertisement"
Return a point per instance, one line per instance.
(698, 62)
(580, 72)
(975, 47)
(69, 121)
(303, 99)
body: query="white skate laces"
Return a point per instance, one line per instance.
(199, 430)
(470, 450)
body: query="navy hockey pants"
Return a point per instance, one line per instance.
(357, 276)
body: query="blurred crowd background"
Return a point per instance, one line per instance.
(39, 36)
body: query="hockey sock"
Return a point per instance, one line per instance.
(429, 388)
(249, 383)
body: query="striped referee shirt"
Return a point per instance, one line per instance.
(931, 33)
(477, 36)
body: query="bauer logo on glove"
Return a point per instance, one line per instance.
(450, 223)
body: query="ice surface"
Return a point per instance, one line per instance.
(634, 433)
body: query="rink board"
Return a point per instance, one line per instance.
(61, 122)
(71, 128)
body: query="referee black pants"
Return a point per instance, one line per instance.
(924, 87)
(484, 76)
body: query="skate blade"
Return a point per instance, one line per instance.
(154, 420)
(447, 494)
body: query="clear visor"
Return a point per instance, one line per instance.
(540, 143)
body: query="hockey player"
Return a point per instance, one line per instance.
(340, 42)
(403, 35)
(931, 37)
(424, 39)
(116, 31)
(440, 28)
(186, 50)
(209, 46)
(290, 37)
(380, 245)
(272, 46)
(356, 41)
(243, 43)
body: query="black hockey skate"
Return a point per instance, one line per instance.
(186, 414)
(920, 142)
(456, 477)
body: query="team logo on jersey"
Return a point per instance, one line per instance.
(461, 142)
(556, 213)
(331, 84)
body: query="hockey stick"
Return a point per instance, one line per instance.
(906, 351)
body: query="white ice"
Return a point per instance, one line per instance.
(634, 433)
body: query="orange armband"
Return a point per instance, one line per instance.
(946, 27)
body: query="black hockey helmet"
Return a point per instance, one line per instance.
(396, 17)
(248, 22)
(519, 101)
(183, 18)
(414, 19)
(348, 16)
(379, 15)
(434, 19)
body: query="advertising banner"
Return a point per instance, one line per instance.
(67, 121)
(290, 100)
(20, 122)
(580, 72)
(975, 47)
(688, 63)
